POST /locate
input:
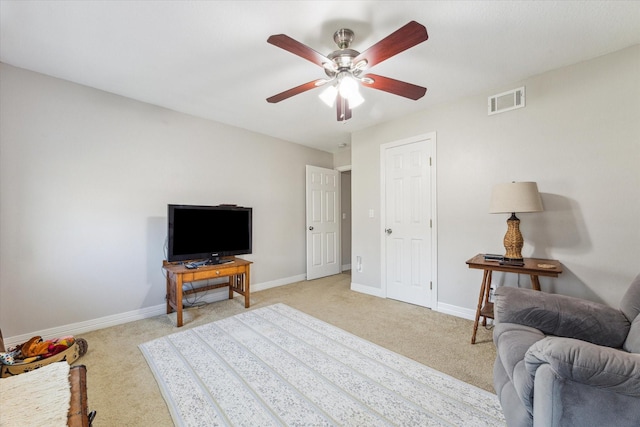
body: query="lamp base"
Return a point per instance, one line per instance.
(513, 241)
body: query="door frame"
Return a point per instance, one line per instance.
(434, 220)
(342, 170)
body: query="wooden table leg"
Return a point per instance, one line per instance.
(247, 293)
(169, 292)
(232, 284)
(535, 284)
(486, 283)
(487, 292)
(179, 300)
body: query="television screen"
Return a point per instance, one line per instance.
(208, 232)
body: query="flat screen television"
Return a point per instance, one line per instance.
(208, 232)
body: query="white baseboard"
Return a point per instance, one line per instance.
(279, 282)
(454, 310)
(211, 296)
(89, 325)
(346, 267)
(369, 290)
(143, 313)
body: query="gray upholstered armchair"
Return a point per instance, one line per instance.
(564, 361)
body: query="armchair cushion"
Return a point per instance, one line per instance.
(586, 363)
(562, 316)
(632, 344)
(630, 304)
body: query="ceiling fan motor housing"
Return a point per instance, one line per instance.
(343, 60)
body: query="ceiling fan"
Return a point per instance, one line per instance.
(345, 68)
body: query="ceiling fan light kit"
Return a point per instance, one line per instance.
(328, 96)
(345, 67)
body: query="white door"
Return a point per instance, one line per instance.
(323, 222)
(407, 215)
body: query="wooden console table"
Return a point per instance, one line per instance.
(534, 267)
(238, 272)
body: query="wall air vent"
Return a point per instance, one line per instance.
(506, 101)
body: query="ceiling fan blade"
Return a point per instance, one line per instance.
(287, 43)
(395, 87)
(296, 90)
(398, 41)
(342, 108)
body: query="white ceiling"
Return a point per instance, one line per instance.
(211, 58)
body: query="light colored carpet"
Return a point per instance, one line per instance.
(276, 366)
(122, 388)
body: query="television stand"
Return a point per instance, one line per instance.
(236, 269)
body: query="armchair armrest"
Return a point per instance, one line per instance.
(562, 316)
(586, 363)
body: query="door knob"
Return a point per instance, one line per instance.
(311, 228)
(388, 231)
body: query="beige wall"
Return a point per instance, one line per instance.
(85, 179)
(342, 159)
(578, 137)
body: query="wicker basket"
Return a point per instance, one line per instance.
(70, 355)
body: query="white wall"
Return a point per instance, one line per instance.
(85, 179)
(578, 137)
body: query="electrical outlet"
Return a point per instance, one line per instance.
(359, 264)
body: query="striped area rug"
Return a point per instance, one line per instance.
(276, 366)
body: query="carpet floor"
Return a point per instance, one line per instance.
(123, 391)
(276, 366)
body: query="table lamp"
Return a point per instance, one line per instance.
(511, 198)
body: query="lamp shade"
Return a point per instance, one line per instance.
(515, 197)
(328, 95)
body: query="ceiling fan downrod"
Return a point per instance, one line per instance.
(343, 38)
